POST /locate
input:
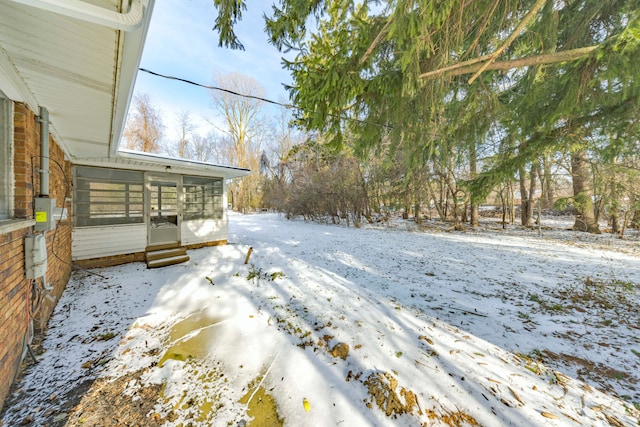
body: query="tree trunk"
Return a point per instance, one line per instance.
(525, 212)
(503, 204)
(436, 202)
(582, 193)
(614, 201)
(535, 168)
(473, 171)
(546, 183)
(526, 204)
(512, 205)
(465, 211)
(418, 213)
(365, 204)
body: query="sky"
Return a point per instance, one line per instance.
(387, 324)
(182, 43)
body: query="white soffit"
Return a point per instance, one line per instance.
(72, 67)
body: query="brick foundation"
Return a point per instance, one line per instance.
(109, 261)
(206, 244)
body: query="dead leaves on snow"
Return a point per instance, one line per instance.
(391, 398)
(105, 404)
(516, 396)
(394, 399)
(549, 415)
(340, 350)
(426, 338)
(453, 419)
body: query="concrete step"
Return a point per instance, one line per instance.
(163, 262)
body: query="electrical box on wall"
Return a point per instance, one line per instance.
(35, 250)
(45, 218)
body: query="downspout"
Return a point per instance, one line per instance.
(44, 152)
(128, 21)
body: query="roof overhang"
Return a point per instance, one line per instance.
(79, 60)
(147, 162)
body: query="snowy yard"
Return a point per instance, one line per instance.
(327, 325)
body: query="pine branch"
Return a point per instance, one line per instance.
(377, 40)
(521, 26)
(445, 70)
(473, 65)
(483, 26)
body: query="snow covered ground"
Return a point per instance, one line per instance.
(394, 324)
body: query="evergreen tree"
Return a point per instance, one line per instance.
(435, 77)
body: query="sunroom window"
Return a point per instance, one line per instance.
(202, 197)
(108, 196)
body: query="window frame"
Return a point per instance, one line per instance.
(206, 202)
(108, 187)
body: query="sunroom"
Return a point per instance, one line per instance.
(142, 207)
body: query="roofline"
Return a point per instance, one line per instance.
(149, 162)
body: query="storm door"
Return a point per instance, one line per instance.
(164, 210)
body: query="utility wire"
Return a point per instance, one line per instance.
(216, 88)
(67, 195)
(289, 106)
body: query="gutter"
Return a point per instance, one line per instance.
(129, 21)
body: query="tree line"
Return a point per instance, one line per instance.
(302, 174)
(445, 106)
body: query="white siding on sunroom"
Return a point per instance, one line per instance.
(204, 230)
(96, 242)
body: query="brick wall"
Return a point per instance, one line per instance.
(15, 288)
(13, 310)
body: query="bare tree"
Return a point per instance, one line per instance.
(242, 122)
(185, 129)
(240, 114)
(284, 137)
(202, 148)
(144, 127)
(223, 149)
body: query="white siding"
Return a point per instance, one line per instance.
(96, 242)
(204, 230)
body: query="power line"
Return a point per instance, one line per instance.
(216, 88)
(289, 106)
